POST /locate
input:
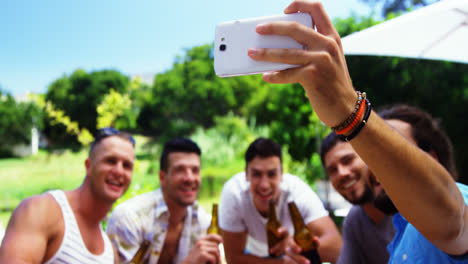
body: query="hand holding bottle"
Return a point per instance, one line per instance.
(283, 240)
(205, 250)
(294, 253)
(303, 237)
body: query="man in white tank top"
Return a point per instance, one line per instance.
(65, 226)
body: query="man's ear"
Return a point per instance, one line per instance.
(162, 174)
(247, 178)
(87, 164)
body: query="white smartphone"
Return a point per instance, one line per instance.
(234, 38)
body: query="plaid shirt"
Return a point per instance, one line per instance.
(146, 217)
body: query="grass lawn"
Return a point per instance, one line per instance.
(25, 177)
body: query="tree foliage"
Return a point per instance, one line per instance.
(190, 95)
(16, 121)
(78, 96)
(57, 116)
(111, 108)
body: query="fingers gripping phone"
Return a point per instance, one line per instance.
(234, 38)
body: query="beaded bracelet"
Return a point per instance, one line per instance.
(352, 116)
(361, 125)
(357, 118)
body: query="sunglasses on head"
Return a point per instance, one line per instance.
(110, 131)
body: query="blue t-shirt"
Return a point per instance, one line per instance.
(409, 246)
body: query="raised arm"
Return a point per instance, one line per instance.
(32, 225)
(422, 190)
(419, 186)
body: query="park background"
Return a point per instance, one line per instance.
(223, 115)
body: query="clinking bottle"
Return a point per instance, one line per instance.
(138, 258)
(303, 236)
(214, 229)
(272, 226)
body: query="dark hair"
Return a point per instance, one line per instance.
(177, 145)
(264, 148)
(426, 132)
(107, 132)
(327, 144)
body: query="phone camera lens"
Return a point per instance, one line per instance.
(222, 47)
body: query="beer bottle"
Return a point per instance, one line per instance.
(214, 228)
(272, 226)
(140, 254)
(303, 236)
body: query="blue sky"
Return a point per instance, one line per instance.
(42, 40)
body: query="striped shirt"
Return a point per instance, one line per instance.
(72, 249)
(145, 217)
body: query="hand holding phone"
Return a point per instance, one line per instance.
(234, 38)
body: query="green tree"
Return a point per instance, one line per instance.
(78, 95)
(16, 121)
(190, 94)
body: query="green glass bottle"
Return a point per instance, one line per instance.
(272, 226)
(140, 254)
(214, 228)
(303, 236)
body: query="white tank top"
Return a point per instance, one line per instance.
(72, 249)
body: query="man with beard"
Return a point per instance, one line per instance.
(65, 226)
(168, 217)
(244, 207)
(366, 230)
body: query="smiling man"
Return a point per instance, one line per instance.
(65, 226)
(168, 217)
(366, 230)
(244, 207)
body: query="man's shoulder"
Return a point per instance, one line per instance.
(237, 179)
(292, 181)
(354, 215)
(297, 188)
(236, 183)
(39, 212)
(44, 203)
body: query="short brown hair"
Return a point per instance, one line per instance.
(427, 133)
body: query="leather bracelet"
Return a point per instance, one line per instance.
(356, 120)
(361, 125)
(352, 116)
